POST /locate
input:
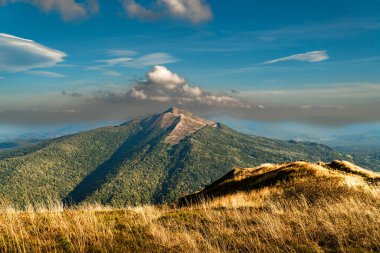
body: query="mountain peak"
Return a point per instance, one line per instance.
(172, 109)
(186, 123)
(178, 112)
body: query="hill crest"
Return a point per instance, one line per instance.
(344, 174)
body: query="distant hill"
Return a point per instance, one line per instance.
(309, 180)
(17, 143)
(155, 159)
(356, 142)
(8, 145)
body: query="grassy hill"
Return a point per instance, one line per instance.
(292, 207)
(294, 179)
(156, 159)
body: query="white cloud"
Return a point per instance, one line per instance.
(195, 11)
(163, 77)
(121, 52)
(46, 74)
(111, 73)
(18, 54)
(68, 9)
(138, 62)
(162, 85)
(151, 60)
(139, 94)
(212, 100)
(138, 11)
(195, 91)
(115, 61)
(315, 56)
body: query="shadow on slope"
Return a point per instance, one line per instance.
(144, 136)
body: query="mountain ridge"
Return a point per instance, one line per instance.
(153, 159)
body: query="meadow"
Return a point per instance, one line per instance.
(266, 220)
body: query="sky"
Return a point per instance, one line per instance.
(310, 62)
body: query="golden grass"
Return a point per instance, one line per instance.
(316, 210)
(266, 220)
(324, 179)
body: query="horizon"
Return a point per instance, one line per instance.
(257, 69)
(341, 137)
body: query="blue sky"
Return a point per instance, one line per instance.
(313, 62)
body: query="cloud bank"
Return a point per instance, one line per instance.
(18, 54)
(332, 105)
(159, 89)
(68, 9)
(315, 56)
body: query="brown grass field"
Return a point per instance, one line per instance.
(307, 213)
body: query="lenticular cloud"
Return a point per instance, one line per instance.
(18, 54)
(315, 56)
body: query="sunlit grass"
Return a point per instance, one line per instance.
(260, 221)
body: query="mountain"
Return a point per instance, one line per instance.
(155, 159)
(312, 181)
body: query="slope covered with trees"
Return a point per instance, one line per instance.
(138, 162)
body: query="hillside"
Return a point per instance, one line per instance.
(295, 178)
(156, 159)
(291, 207)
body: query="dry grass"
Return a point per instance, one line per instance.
(266, 220)
(322, 211)
(313, 180)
